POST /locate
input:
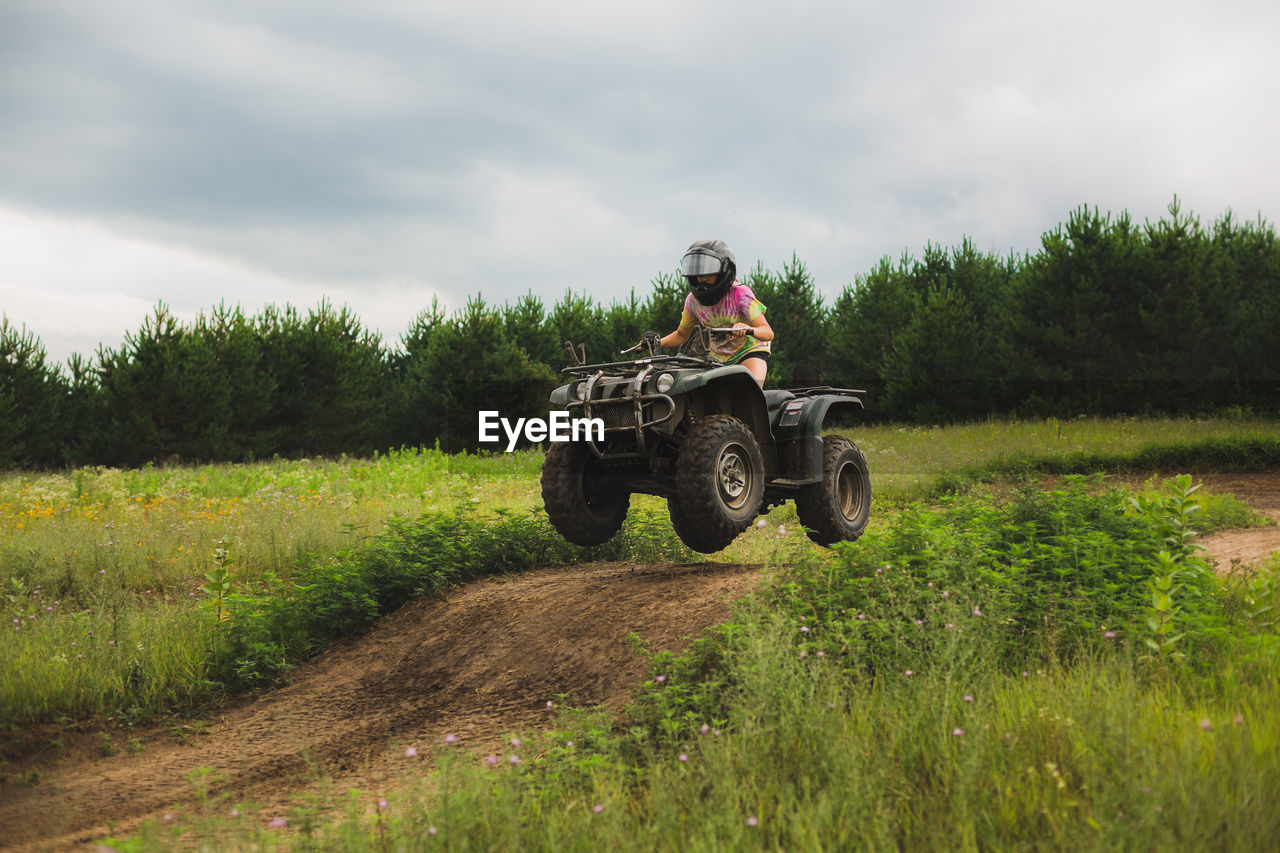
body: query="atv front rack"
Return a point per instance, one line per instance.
(624, 367)
(624, 413)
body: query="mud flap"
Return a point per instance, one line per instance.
(800, 461)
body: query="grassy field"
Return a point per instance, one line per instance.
(111, 609)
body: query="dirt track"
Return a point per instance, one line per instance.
(481, 664)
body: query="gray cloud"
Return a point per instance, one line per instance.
(406, 149)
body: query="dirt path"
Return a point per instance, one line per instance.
(1260, 491)
(481, 664)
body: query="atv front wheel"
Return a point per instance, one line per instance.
(838, 508)
(581, 506)
(719, 483)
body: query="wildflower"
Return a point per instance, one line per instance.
(597, 808)
(946, 594)
(550, 704)
(919, 622)
(753, 821)
(1110, 635)
(411, 752)
(382, 804)
(706, 730)
(514, 760)
(1239, 720)
(968, 698)
(804, 629)
(761, 524)
(1206, 725)
(450, 738)
(431, 830)
(491, 760)
(977, 612)
(278, 823)
(516, 742)
(660, 678)
(821, 653)
(682, 757)
(957, 732)
(168, 817)
(782, 530)
(234, 813)
(908, 673)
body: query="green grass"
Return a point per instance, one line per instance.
(913, 463)
(1044, 720)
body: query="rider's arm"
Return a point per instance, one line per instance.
(759, 328)
(678, 337)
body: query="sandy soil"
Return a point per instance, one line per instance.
(480, 664)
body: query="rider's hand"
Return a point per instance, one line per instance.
(654, 342)
(740, 330)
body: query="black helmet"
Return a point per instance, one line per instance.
(709, 257)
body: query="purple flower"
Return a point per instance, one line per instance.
(1205, 725)
(753, 821)
(957, 732)
(1110, 635)
(597, 808)
(977, 612)
(804, 629)
(660, 678)
(550, 704)
(278, 823)
(706, 730)
(1239, 720)
(515, 741)
(382, 804)
(908, 673)
(514, 760)
(968, 698)
(451, 738)
(491, 760)
(411, 752)
(682, 757)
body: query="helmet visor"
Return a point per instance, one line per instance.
(700, 263)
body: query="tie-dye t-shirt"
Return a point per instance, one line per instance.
(739, 305)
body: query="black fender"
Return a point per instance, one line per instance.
(731, 390)
(797, 430)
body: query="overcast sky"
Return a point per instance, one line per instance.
(382, 152)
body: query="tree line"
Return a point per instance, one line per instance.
(1107, 317)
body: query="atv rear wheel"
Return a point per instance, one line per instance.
(838, 508)
(582, 507)
(719, 483)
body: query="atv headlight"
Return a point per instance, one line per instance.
(664, 383)
(580, 391)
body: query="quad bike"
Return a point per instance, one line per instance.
(704, 436)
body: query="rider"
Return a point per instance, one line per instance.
(718, 300)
